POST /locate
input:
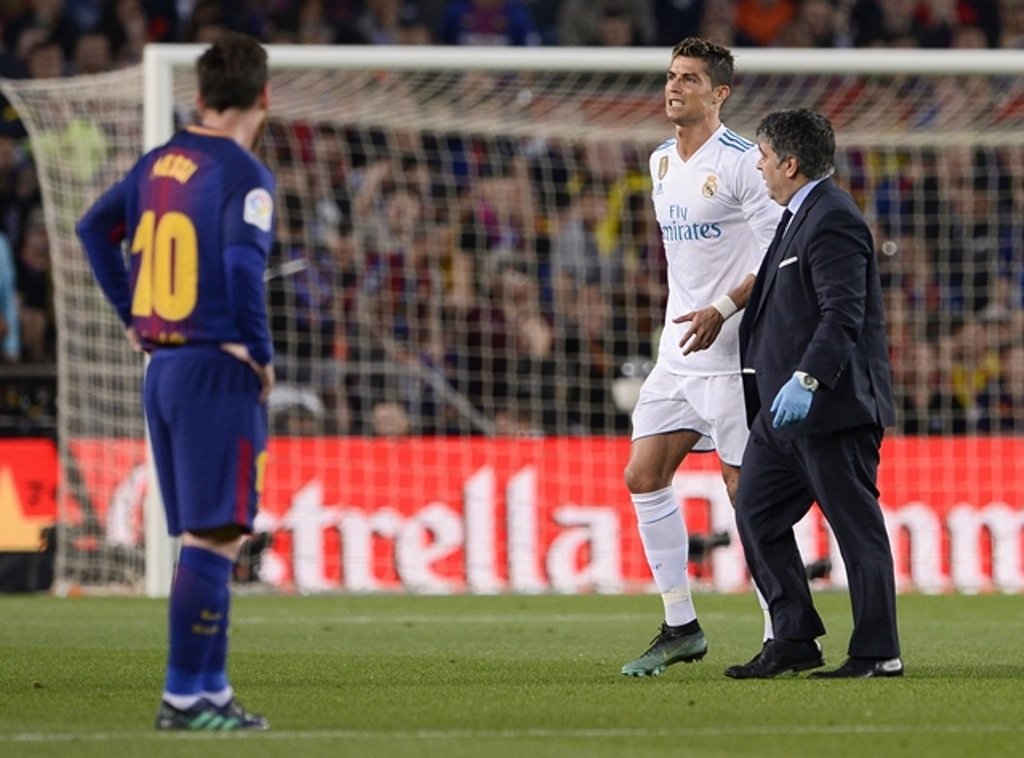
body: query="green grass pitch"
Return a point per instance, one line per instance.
(507, 676)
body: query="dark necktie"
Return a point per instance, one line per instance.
(780, 230)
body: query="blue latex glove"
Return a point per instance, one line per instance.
(792, 404)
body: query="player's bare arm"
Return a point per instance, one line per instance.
(706, 323)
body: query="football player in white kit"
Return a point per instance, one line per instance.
(716, 222)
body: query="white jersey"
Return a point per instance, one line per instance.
(716, 223)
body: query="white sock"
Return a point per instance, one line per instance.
(666, 545)
(220, 699)
(181, 702)
(768, 633)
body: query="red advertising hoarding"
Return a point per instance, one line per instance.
(444, 514)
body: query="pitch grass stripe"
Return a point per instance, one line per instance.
(457, 734)
(526, 617)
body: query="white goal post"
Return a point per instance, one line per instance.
(453, 458)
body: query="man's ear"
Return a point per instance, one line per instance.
(792, 167)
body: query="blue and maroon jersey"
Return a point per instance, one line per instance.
(181, 208)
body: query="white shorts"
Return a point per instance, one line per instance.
(712, 406)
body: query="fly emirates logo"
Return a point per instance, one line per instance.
(679, 228)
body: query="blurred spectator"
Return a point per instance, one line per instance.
(301, 293)
(675, 20)
(922, 403)
(967, 38)
(976, 238)
(1002, 403)
(973, 363)
(126, 26)
(389, 418)
(817, 24)
(48, 20)
(207, 22)
(920, 23)
(10, 324)
(1011, 24)
(45, 61)
(718, 22)
(316, 23)
(579, 256)
(760, 23)
(92, 54)
(35, 292)
(594, 348)
(12, 158)
(295, 411)
(503, 353)
(400, 301)
(608, 23)
(892, 23)
(645, 292)
(392, 22)
(487, 22)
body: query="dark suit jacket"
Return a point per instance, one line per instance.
(816, 306)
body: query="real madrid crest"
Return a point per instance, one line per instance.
(662, 167)
(710, 186)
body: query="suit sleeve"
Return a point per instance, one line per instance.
(102, 230)
(838, 256)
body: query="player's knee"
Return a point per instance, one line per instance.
(226, 541)
(640, 479)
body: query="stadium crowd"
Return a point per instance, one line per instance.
(524, 294)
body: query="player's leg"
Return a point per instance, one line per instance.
(664, 431)
(219, 437)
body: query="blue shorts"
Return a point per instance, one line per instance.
(209, 436)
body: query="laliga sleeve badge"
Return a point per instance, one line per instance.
(662, 167)
(258, 209)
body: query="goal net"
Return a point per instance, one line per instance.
(467, 290)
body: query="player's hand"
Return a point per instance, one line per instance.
(133, 338)
(264, 373)
(792, 404)
(705, 325)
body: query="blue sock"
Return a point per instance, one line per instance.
(215, 676)
(198, 618)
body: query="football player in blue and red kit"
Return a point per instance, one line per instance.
(196, 217)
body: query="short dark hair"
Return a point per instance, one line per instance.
(717, 58)
(804, 134)
(232, 72)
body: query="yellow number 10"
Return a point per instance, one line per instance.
(168, 281)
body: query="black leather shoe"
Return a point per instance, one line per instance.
(731, 671)
(863, 668)
(779, 657)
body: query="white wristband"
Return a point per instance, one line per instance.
(725, 306)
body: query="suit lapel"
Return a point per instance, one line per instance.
(776, 255)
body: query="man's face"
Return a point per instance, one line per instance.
(775, 172)
(689, 96)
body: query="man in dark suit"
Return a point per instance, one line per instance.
(818, 393)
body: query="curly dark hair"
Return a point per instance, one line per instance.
(804, 134)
